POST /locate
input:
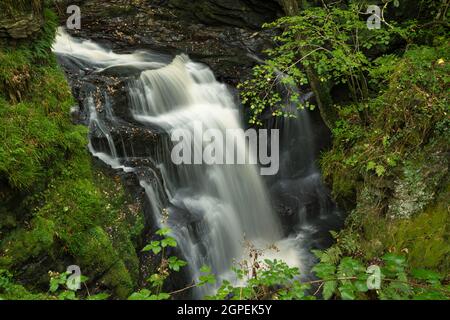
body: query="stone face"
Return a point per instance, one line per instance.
(20, 23)
(221, 34)
(239, 13)
(417, 186)
(21, 27)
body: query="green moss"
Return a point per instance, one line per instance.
(10, 290)
(24, 244)
(94, 251)
(32, 140)
(53, 203)
(34, 104)
(343, 180)
(94, 224)
(424, 239)
(392, 167)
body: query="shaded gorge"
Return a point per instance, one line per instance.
(133, 103)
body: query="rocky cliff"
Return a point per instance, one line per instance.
(20, 20)
(223, 34)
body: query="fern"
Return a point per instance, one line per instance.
(13, 7)
(42, 47)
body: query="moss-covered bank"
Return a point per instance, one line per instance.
(56, 209)
(391, 172)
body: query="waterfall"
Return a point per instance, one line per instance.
(301, 198)
(212, 208)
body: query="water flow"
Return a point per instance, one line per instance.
(229, 201)
(212, 208)
(300, 197)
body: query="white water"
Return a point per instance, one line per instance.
(222, 204)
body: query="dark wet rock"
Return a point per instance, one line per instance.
(222, 34)
(239, 13)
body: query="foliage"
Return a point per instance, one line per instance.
(423, 239)
(391, 139)
(347, 278)
(14, 7)
(388, 158)
(269, 280)
(167, 266)
(35, 125)
(10, 290)
(408, 118)
(334, 40)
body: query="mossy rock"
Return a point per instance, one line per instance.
(10, 290)
(55, 206)
(20, 19)
(94, 251)
(424, 239)
(23, 244)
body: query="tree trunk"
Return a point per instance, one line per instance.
(443, 10)
(321, 91)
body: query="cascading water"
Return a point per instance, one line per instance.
(299, 194)
(212, 208)
(229, 201)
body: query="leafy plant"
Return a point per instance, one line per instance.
(60, 290)
(166, 266)
(348, 279)
(334, 41)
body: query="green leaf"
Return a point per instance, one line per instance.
(175, 264)
(324, 270)
(394, 259)
(431, 295)
(156, 280)
(163, 232)
(207, 279)
(155, 246)
(380, 170)
(100, 296)
(422, 274)
(163, 296)
(144, 294)
(54, 284)
(361, 286)
(350, 267)
(371, 165)
(347, 292)
(67, 295)
(205, 269)
(169, 242)
(328, 289)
